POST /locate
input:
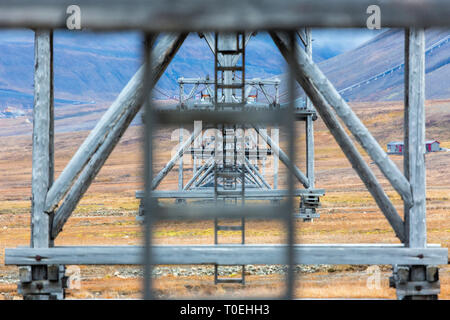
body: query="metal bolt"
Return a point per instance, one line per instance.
(39, 286)
(418, 288)
(38, 258)
(420, 256)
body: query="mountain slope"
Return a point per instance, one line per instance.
(96, 66)
(375, 70)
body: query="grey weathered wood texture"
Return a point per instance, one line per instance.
(309, 124)
(209, 162)
(283, 157)
(200, 15)
(309, 131)
(123, 108)
(210, 40)
(181, 150)
(230, 254)
(42, 138)
(275, 134)
(251, 177)
(414, 157)
(180, 163)
(353, 123)
(255, 174)
(224, 211)
(204, 175)
(266, 193)
(346, 144)
(94, 151)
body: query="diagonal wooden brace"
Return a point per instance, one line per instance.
(89, 158)
(308, 69)
(346, 144)
(181, 150)
(283, 157)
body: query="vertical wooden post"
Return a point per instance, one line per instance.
(275, 137)
(310, 151)
(180, 168)
(42, 171)
(414, 162)
(309, 127)
(414, 158)
(43, 153)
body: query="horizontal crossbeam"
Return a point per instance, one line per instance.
(248, 82)
(269, 194)
(230, 255)
(223, 211)
(247, 116)
(201, 15)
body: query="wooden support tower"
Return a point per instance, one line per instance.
(414, 261)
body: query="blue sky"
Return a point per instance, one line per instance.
(340, 40)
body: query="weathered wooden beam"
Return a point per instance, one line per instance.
(283, 157)
(248, 82)
(209, 162)
(201, 15)
(94, 151)
(307, 68)
(181, 150)
(42, 158)
(180, 164)
(209, 38)
(261, 194)
(265, 93)
(414, 155)
(251, 177)
(43, 151)
(309, 124)
(207, 177)
(275, 132)
(309, 132)
(122, 111)
(204, 175)
(255, 174)
(229, 255)
(347, 146)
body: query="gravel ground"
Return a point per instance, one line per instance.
(129, 272)
(223, 270)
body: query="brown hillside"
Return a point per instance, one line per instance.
(106, 213)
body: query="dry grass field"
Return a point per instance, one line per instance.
(106, 215)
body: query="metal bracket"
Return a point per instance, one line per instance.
(308, 206)
(50, 289)
(407, 288)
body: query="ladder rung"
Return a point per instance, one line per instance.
(230, 68)
(234, 51)
(229, 228)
